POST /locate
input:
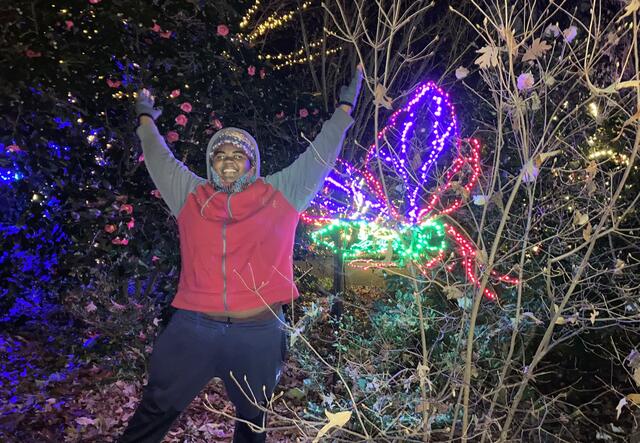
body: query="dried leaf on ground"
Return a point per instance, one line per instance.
(452, 292)
(634, 398)
(587, 231)
(489, 57)
(580, 219)
(537, 49)
(636, 377)
(339, 419)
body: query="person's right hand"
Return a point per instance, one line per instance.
(144, 105)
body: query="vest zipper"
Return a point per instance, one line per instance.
(224, 255)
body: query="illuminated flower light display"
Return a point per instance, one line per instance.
(384, 214)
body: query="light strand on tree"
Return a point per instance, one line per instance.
(306, 59)
(247, 16)
(274, 21)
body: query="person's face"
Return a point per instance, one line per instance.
(230, 162)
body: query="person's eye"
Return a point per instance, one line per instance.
(238, 157)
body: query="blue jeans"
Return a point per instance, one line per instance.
(192, 350)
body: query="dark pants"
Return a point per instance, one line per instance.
(192, 350)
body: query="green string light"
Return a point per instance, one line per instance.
(359, 239)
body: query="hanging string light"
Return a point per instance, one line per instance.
(247, 16)
(274, 21)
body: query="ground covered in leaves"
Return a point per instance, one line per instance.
(48, 397)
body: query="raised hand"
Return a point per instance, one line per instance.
(349, 94)
(144, 105)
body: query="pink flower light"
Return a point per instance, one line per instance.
(303, 113)
(131, 223)
(156, 28)
(13, 148)
(172, 136)
(141, 158)
(120, 241)
(280, 114)
(263, 73)
(217, 124)
(222, 30)
(32, 54)
(251, 70)
(127, 208)
(114, 83)
(156, 193)
(186, 107)
(68, 24)
(166, 34)
(94, 2)
(175, 93)
(110, 228)
(182, 120)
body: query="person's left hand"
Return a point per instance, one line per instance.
(349, 94)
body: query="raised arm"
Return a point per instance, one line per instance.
(302, 180)
(172, 178)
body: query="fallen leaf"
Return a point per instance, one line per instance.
(580, 219)
(489, 57)
(619, 266)
(593, 316)
(452, 292)
(85, 421)
(634, 398)
(479, 200)
(461, 72)
(621, 404)
(586, 232)
(633, 6)
(339, 419)
(636, 378)
(538, 48)
(381, 98)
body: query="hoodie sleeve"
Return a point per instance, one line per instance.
(172, 178)
(301, 181)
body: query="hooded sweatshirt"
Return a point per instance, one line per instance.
(237, 248)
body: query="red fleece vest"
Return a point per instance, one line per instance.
(237, 254)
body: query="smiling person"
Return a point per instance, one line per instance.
(237, 232)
